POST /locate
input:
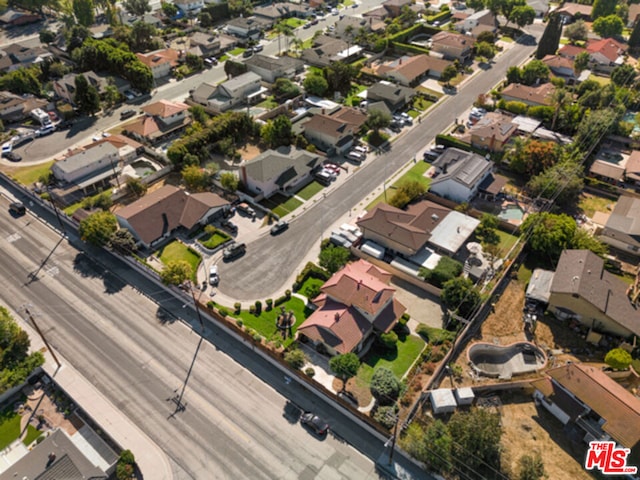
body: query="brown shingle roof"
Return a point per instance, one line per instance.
(350, 115)
(329, 126)
(162, 211)
(617, 406)
(165, 108)
(158, 57)
(452, 39)
(540, 94)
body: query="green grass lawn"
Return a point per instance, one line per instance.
(603, 81)
(269, 103)
(420, 104)
(413, 113)
(307, 44)
(237, 51)
(9, 428)
(315, 71)
(293, 22)
(590, 204)
(309, 285)
(223, 58)
(176, 251)
(281, 205)
(416, 173)
(310, 190)
(211, 241)
(28, 175)
(398, 362)
(32, 434)
(524, 274)
(265, 324)
(506, 242)
(429, 91)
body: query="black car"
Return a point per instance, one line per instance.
(127, 114)
(12, 156)
(281, 226)
(248, 52)
(315, 423)
(17, 208)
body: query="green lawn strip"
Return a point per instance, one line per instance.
(603, 81)
(176, 251)
(416, 173)
(591, 204)
(265, 323)
(9, 428)
(429, 91)
(71, 209)
(223, 58)
(506, 242)
(524, 274)
(398, 362)
(293, 22)
(269, 103)
(32, 434)
(308, 284)
(315, 71)
(413, 113)
(28, 175)
(215, 239)
(236, 51)
(310, 190)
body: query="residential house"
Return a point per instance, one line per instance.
(534, 96)
(20, 54)
(156, 216)
(249, 28)
(65, 88)
(452, 45)
(274, 12)
(348, 27)
(59, 456)
(570, 51)
(284, 170)
(492, 132)
(402, 231)
(227, 42)
(272, 68)
(15, 18)
(127, 19)
(457, 175)
(208, 44)
(570, 12)
(591, 405)
(14, 108)
(354, 305)
(480, 18)
(634, 13)
(394, 7)
(607, 171)
(335, 132)
(395, 97)
(191, 8)
(410, 71)
(163, 119)
(622, 230)
(377, 14)
(583, 290)
(324, 51)
(632, 168)
(541, 7)
(95, 165)
(232, 93)
(561, 67)
(161, 62)
(606, 54)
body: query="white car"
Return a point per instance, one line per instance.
(214, 279)
(361, 149)
(334, 11)
(357, 156)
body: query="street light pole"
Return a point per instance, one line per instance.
(46, 344)
(393, 441)
(197, 307)
(55, 209)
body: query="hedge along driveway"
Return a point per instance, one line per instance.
(176, 251)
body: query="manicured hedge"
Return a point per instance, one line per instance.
(449, 141)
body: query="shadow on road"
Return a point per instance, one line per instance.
(291, 412)
(87, 268)
(526, 39)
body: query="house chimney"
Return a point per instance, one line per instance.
(400, 61)
(337, 317)
(323, 111)
(359, 283)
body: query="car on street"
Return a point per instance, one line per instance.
(127, 114)
(306, 25)
(234, 250)
(248, 52)
(214, 279)
(258, 48)
(12, 156)
(313, 22)
(279, 227)
(314, 423)
(45, 131)
(334, 11)
(7, 148)
(17, 208)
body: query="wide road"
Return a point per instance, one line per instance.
(270, 260)
(238, 422)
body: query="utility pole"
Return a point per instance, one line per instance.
(393, 441)
(42, 337)
(195, 303)
(55, 209)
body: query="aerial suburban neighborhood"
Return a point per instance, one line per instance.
(320, 239)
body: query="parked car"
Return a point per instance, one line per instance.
(258, 48)
(45, 131)
(313, 22)
(279, 227)
(17, 208)
(355, 156)
(12, 156)
(234, 250)
(53, 116)
(430, 155)
(214, 279)
(7, 148)
(127, 114)
(315, 423)
(329, 172)
(306, 26)
(232, 227)
(334, 11)
(361, 149)
(246, 209)
(248, 52)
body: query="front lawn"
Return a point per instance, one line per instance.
(265, 323)
(9, 428)
(29, 175)
(590, 204)
(399, 361)
(281, 205)
(416, 173)
(214, 239)
(177, 251)
(293, 22)
(237, 51)
(310, 190)
(421, 104)
(311, 287)
(32, 434)
(428, 91)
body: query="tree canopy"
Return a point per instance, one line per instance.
(609, 26)
(136, 7)
(333, 258)
(86, 97)
(550, 39)
(315, 85)
(385, 386)
(345, 366)
(549, 233)
(98, 228)
(176, 272)
(461, 296)
(277, 132)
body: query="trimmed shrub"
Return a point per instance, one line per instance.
(239, 322)
(519, 108)
(295, 358)
(404, 319)
(314, 271)
(258, 305)
(223, 311)
(252, 309)
(389, 341)
(237, 307)
(385, 386)
(287, 294)
(618, 359)
(269, 303)
(211, 304)
(257, 337)
(309, 372)
(385, 416)
(435, 336)
(449, 141)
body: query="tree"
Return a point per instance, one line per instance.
(142, 37)
(378, 119)
(229, 181)
(194, 62)
(618, 359)
(564, 181)
(339, 76)
(136, 186)
(206, 20)
(487, 228)
(449, 73)
(169, 9)
(582, 61)
(577, 31)
(23, 80)
(446, 269)
(137, 7)
(461, 296)
(240, 8)
(594, 125)
(609, 26)
(122, 241)
(84, 12)
(583, 240)
(295, 358)
(195, 178)
(199, 114)
(233, 69)
(125, 467)
(176, 272)
(47, 36)
(522, 15)
(277, 132)
(333, 258)
(315, 85)
(486, 36)
(86, 96)
(531, 467)
(549, 233)
(476, 442)
(603, 8)
(385, 386)
(535, 72)
(623, 75)
(486, 50)
(408, 191)
(98, 228)
(634, 38)
(550, 37)
(345, 366)
(285, 88)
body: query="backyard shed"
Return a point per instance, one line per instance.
(539, 288)
(464, 396)
(442, 400)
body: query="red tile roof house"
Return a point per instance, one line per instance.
(162, 120)
(606, 54)
(356, 303)
(561, 67)
(590, 405)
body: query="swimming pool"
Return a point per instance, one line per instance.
(511, 212)
(505, 361)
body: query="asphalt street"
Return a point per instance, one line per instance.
(238, 421)
(269, 261)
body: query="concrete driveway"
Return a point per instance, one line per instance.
(422, 306)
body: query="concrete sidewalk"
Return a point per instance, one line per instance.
(152, 461)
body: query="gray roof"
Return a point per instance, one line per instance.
(539, 287)
(466, 168)
(86, 157)
(582, 273)
(205, 90)
(453, 231)
(626, 216)
(69, 463)
(389, 91)
(274, 63)
(279, 163)
(239, 82)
